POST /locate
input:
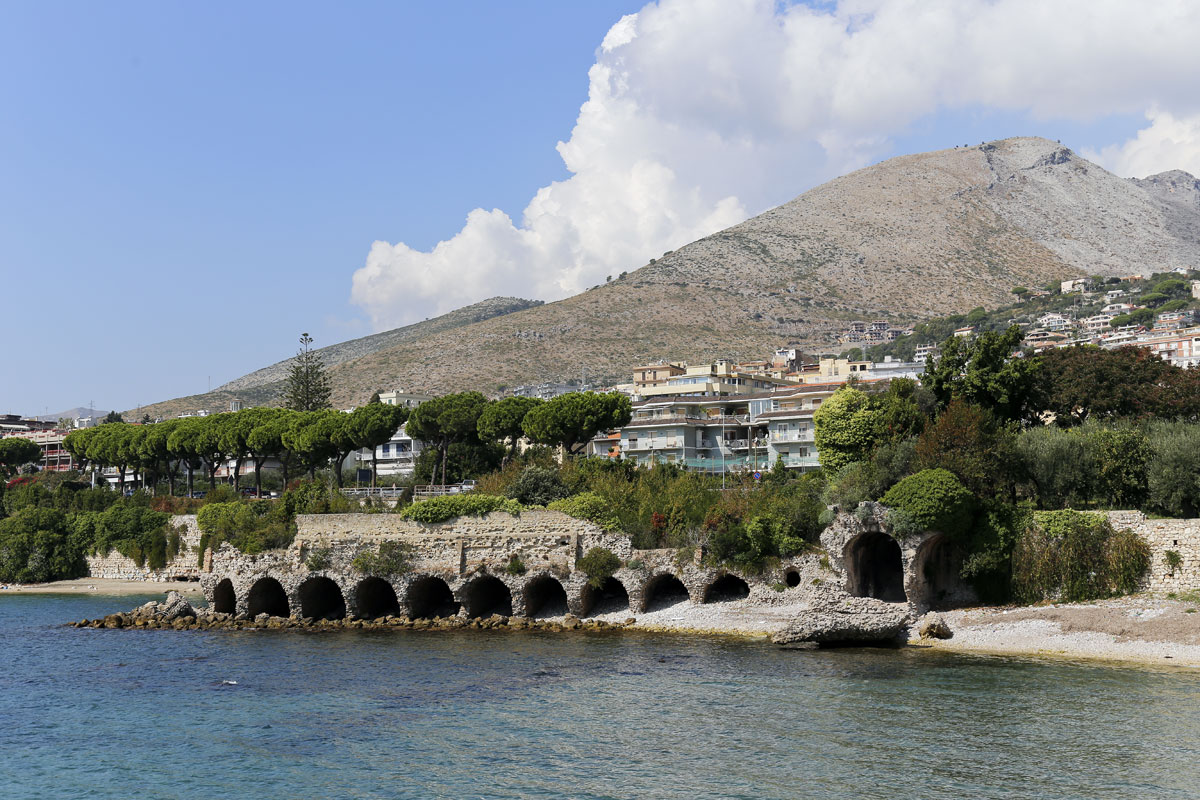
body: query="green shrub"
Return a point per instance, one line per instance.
(392, 558)
(515, 566)
(1173, 560)
(935, 500)
(319, 558)
(1073, 556)
(599, 564)
(588, 506)
(250, 527)
(440, 509)
(36, 545)
(537, 486)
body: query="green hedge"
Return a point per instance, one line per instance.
(934, 500)
(440, 509)
(588, 506)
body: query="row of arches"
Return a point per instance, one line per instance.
(428, 597)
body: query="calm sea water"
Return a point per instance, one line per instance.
(146, 714)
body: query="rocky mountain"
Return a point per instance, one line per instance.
(910, 238)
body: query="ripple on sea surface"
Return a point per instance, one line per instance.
(96, 713)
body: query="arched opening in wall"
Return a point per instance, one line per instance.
(430, 597)
(267, 597)
(320, 598)
(486, 596)
(375, 598)
(726, 588)
(224, 598)
(875, 568)
(663, 591)
(792, 579)
(937, 575)
(545, 597)
(610, 598)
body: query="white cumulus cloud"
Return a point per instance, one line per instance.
(1168, 143)
(702, 112)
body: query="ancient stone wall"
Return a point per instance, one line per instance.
(184, 566)
(869, 561)
(1180, 536)
(498, 563)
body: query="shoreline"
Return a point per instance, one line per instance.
(1138, 630)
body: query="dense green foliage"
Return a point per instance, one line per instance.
(537, 486)
(15, 451)
(440, 509)
(1071, 556)
(935, 500)
(250, 527)
(573, 419)
(37, 545)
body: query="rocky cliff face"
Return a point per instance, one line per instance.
(912, 237)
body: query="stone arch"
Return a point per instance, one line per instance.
(485, 596)
(663, 591)
(792, 578)
(430, 597)
(875, 567)
(545, 597)
(610, 598)
(935, 580)
(224, 598)
(726, 588)
(374, 598)
(267, 596)
(320, 598)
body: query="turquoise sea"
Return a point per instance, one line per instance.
(405, 714)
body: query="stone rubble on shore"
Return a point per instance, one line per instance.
(177, 614)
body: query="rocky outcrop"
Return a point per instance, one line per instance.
(855, 620)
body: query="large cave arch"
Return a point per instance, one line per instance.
(375, 598)
(485, 596)
(545, 597)
(663, 591)
(609, 598)
(936, 581)
(430, 597)
(320, 598)
(267, 596)
(224, 598)
(726, 588)
(875, 567)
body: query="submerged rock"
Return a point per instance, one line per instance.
(856, 620)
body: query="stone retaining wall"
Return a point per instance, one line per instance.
(184, 566)
(1181, 536)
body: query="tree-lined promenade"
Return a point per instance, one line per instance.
(467, 434)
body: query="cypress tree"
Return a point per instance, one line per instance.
(308, 386)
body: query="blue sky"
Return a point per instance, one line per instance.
(184, 188)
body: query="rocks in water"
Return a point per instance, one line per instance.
(935, 628)
(176, 606)
(855, 620)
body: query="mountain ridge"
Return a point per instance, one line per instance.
(912, 237)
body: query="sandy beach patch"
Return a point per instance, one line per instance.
(104, 586)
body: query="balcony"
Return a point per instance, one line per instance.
(636, 446)
(792, 436)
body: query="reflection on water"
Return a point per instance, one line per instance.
(476, 714)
